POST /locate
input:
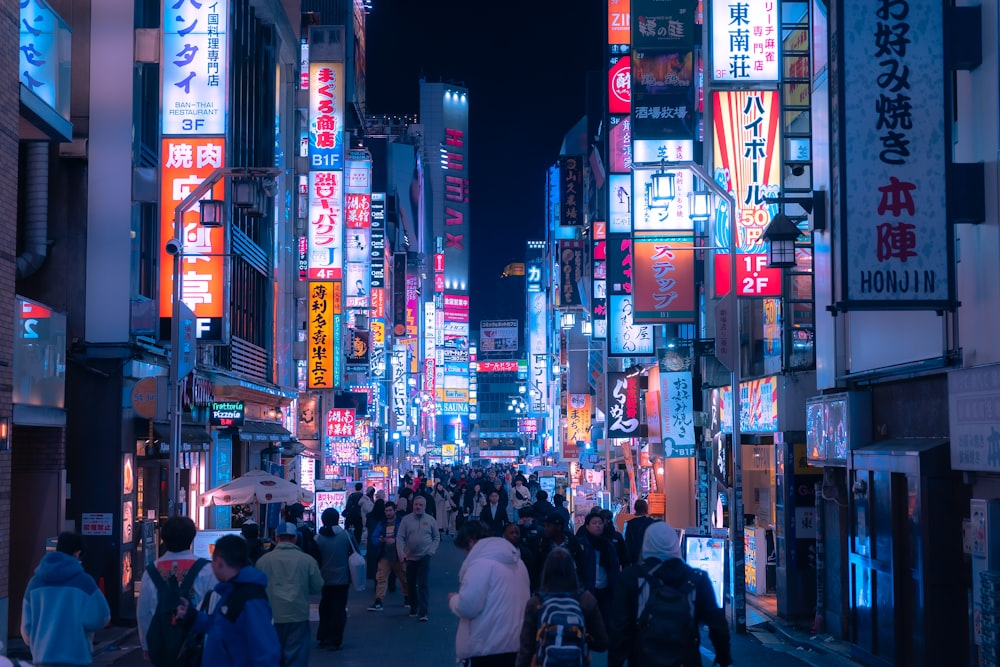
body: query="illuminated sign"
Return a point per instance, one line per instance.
(620, 86)
(663, 279)
(497, 366)
(454, 163)
(186, 163)
(744, 41)
(623, 406)
(620, 204)
(326, 115)
(498, 335)
(45, 45)
(226, 413)
(663, 24)
(619, 24)
(758, 406)
(340, 423)
(326, 225)
(676, 413)
(625, 338)
(656, 216)
(323, 343)
(577, 424)
(753, 276)
(195, 66)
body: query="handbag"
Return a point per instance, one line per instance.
(357, 566)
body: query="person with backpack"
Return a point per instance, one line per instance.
(292, 576)
(352, 512)
(659, 606)
(238, 625)
(177, 573)
(62, 607)
(492, 594)
(562, 623)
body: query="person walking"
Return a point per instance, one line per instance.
(353, 519)
(560, 509)
(239, 629)
(520, 497)
(635, 530)
(494, 515)
(384, 546)
(493, 591)
(559, 578)
(62, 607)
(598, 564)
(177, 534)
(671, 638)
(418, 540)
(292, 576)
(442, 501)
(335, 547)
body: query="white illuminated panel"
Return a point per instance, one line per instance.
(195, 65)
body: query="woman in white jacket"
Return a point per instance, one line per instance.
(493, 592)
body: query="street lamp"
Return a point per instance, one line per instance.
(212, 212)
(700, 208)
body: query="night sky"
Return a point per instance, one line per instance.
(525, 67)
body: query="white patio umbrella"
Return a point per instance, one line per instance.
(256, 486)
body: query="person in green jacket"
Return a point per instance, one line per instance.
(292, 576)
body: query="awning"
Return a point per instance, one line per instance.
(194, 438)
(264, 432)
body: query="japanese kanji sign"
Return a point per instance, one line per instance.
(744, 41)
(625, 338)
(326, 225)
(896, 240)
(44, 65)
(623, 406)
(664, 279)
(195, 64)
(571, 205)
(187, 162)
(577, 424)
(323, 346)
(340, 423)
(663, 24)
(676, 414)
(326, 115)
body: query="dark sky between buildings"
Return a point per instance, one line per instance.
(525, 67)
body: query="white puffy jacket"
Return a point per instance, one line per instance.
(493, 592)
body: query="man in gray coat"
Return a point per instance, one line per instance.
(335, 547)
(417, 541)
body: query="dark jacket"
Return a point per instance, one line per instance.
(541, 509)
(497, 523)
(545, 545)
(635, 530)
(379, 549)
(623, 621)
(587, 564)
(597, 635)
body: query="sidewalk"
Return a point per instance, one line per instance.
(832, 652)
(106, 639)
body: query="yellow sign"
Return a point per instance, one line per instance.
(449, 450)
(324, 299)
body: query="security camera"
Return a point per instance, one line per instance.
(174, 247)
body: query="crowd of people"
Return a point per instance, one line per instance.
(532, 591)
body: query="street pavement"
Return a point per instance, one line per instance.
(391, 637)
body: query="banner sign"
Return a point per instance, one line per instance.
(187, 162)
(620, 85)
(340, 423)
(625, 338)
(498, 336)
(664, 287)
(663, 94)
(571, 264)
(623, 406)
(744, 41)
(324, 305)
(195, 67)
(676, 413)
(326, 115)
(571, 207)
(577, 423)
(896, 246)
(663, 24)
(326, 225)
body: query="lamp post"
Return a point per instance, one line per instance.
(738, 585)
(212, 211)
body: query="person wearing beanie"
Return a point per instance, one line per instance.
(662, 565)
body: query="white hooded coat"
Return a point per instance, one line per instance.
(493, 592)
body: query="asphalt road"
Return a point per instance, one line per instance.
(392, 638)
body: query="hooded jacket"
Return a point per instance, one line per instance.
(252, 640)
(335, 546)
(62, 605)
(661, 555)
(493, 592)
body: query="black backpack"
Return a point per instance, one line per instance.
(307, 542)
(352, 510)
(667, 631)
(562, 634)
(165, 636)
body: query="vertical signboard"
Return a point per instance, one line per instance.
(744, 41)
(326, 116)
(539, 360)
(577, 424)
(571, 263)
(748, 164)
(676, 412)
(454, 162)
(599, 284)
(195, 67)
(619, 22)
(399, 294)
(571, 203)
(326, 220)
(623, 406)
(896, 240)
(187, 161)
(377, 258)
(323, 346)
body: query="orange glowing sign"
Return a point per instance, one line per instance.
(324, 305)
(187, 161)
(577, 424)
(619, 21)
(663, 279)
